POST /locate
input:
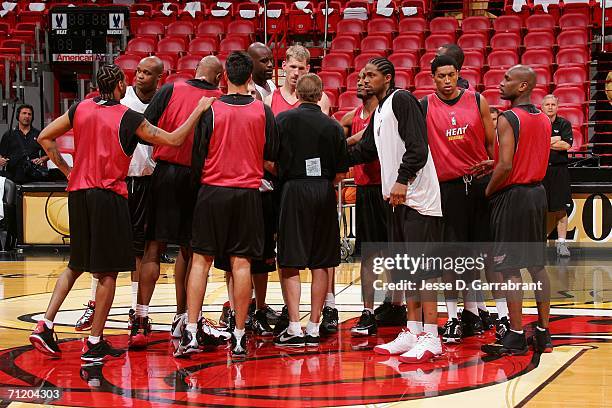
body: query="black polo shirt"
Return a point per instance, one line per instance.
(560, 127)
(18, 147)
(311, 144)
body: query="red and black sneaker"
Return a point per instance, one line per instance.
(542, 341)
(101, 351)
(85, 322)
(45, 340)
(140, 333)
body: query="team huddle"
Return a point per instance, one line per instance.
(245, 181)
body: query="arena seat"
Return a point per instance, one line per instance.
(537, 57)
(375, 43)
(573, 114)
(505, 41)
(404, 60)
(150, 28)
(300, 21)
(141, 45)
(494, 99)
(171, 45)
(440, 25)
(570, 95)
(572, 55)
(571, 21)
(476, 25)
(567, 76)
(332, 81)
(345, 43)
(539, 39)
(128, 62)
(434, 41)
(203, 45)
(472, 76)
(340, 62)
(188, 63)
(502, 59)
(417, 25)
(493, 77)
(421, 93)
(473, 59)
(572, 38)
(348, 100)
(473, 42)
(362, 59)
(180, 28)
(423, 80)
(507, 24)
(403, 79)
(334, 16)
(178, 77)
(351, 81)
(351, 27)
(540, 22)
(211, 27)
(408, 42)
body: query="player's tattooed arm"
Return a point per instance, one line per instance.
(47, 138)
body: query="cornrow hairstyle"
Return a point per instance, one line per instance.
(386, 68)
(108, 77)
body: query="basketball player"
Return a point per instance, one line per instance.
(312, 158)
(228, 217)
(557, 180)
(397, 136)
(296, 65)
(461, 135)
(455, 52)
(370, 208)
(101, 235)
(518, 202)
(494, 115)
(172, 195)
(137, 97)
(263, 68)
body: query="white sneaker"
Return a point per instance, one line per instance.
(428, 346)
(178, 325)
(209, 329)
(404, 341)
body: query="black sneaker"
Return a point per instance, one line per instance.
(45, 340)
(513, 344)
(382, 308)
(393, 315)
(231, 321)
(260, 325)
(542, 342)
(311, 341)
(188, 345)
(131, 318)
(100, 351)
(248, 323)
(471, 325)
(452, 331)
(271, 315)
(501, 327)
(208, 335)
(91, 373)
(329, 322)
(239, 350)
(488, 322)
(283, 321)
(225, 312)
(290, 340)
(366, 325)
(166, 259)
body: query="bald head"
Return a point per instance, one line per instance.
(524, 73)
(148, 73)
(263, 62)
(257, 47)
(517, 84)
(210, 69)
(154, 63)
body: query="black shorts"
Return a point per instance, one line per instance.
(558, 188)
(138, 201)
(308, 230)
(171, 204)
(228, 222)
(370, 214)
(100, 232)
(465, 211)
(518, 223)
(268, 263)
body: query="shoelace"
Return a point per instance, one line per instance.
(89, 311)
(401, 336)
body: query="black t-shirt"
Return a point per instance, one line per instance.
(19, 148)
(312, 145)
(560, 127)
(129, 123)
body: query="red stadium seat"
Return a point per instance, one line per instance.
(128, 62)
(472, 76)
(476, 25)
(351, 81)
(574, 21)
(540, 22)
(542, 76)
(221, 15)
(301, 22)
(150, 28)
(578, 140)
(362, 59)
(198, 15)
(335, 8)
(211, 27)
(421, 93)
(572, 38)
(412, 5)
(231, 44)
(539, 39)
(537, 94)
(425, 61)
(579, 8)
(403, 79)
(180, 28)
(375, 43)
(573, 56)
(493, 77)
(435, 41)
(169, 61)
(203, 45)
(171, 45)
(340, 114)
(332, 81)
(573, 114)
(178, 77)
(277, 24)
(188, 63)
(473, 42)
(166, 13)
(141, 45)
(570, 76)
(494, 99)
(404, 60)
(570, 95)
(333, 100)
(443, 25)
(537, 57)
(345, 43)
(508, 24)
(412, 25)
(339, 62)
(408, 42)
(382, 26)
(423, 80)
(244, 27)
(350, 27)
(502, 59)
(505, 41)
(473, 59)
(348, 100)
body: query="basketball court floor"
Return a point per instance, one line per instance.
(342, 372)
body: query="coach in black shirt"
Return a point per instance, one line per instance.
(557, 180)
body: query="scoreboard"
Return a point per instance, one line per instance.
(80, 34)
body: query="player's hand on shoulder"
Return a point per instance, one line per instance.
(205, 103)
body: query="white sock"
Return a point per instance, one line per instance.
(482, 306)
(238, 333)
(330, 300)
(94, 287)
(414, 327)
(451, 307)
(369, 310)
(48, 323)
(312, 329)
(192, 328)
(294, 328)
(517, 331)
(134, 295)
(502, 308)
(471, 307)
(540, 329)
(94, 339)
(561, 240)
(142, 310)
(431, 328)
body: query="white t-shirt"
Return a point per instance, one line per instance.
(142, 164)
(262, 91)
